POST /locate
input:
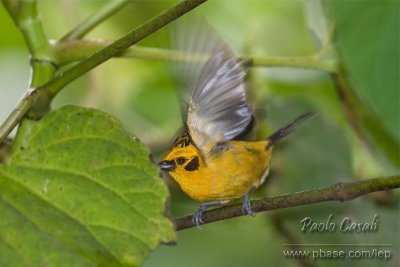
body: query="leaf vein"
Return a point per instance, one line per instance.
(94, 181)
(121, 231)
(80, 137)
(44, 233)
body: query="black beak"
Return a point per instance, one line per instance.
(167, 165)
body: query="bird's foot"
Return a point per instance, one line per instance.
(197, 218)
(246, 206)
(198, 215)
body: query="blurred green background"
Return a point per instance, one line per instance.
(325, 151)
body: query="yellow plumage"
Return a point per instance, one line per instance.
(225, 174)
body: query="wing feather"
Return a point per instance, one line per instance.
(218, 109)
(215, 90)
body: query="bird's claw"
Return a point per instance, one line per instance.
(197, 216)
(246, 206)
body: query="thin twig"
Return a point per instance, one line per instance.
(75, 50)
(92, 21)
(336, 192)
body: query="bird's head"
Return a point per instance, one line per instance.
(182, 163)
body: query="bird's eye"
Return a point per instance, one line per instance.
(180, 160)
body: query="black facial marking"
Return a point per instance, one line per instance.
(180, 160)
(193, 164)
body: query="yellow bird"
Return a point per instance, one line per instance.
(207, 160)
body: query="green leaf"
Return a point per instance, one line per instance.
(77, 190)
(367, 42)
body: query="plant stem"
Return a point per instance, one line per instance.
(17, 114)
(70, 51)
(25, 16)
(92, 21)
(311, 62)
(337, 192)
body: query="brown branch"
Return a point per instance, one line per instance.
(336, 192)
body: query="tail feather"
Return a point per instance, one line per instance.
(287, 129)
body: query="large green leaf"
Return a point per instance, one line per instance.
(77, 190)
(367, 42)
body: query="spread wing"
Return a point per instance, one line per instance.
(213, 89)
(218, 109)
